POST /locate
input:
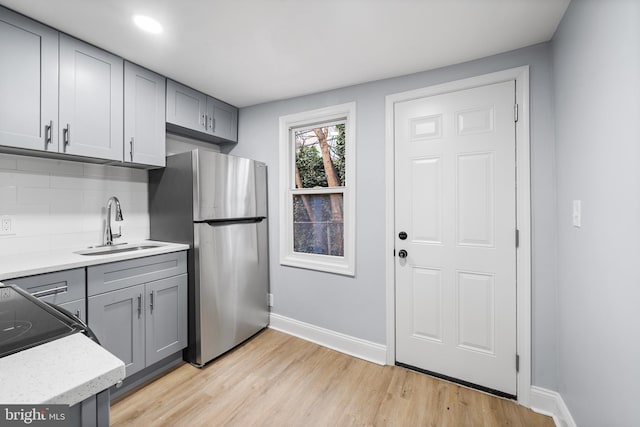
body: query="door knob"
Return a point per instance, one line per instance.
(402, 253)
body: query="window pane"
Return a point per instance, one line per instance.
(320, 160)
(318, 226)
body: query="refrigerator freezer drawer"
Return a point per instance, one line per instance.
(231, 286)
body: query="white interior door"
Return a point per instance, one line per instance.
(455, 190)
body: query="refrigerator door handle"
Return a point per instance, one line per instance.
(252, 220)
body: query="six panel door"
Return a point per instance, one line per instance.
(455, 200)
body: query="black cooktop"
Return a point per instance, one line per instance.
(27, 322)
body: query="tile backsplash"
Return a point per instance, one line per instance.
(59, 204)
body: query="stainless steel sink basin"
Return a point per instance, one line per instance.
(119, 248)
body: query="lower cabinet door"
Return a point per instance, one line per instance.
(117, 319)
(166, 321)
(77, 308)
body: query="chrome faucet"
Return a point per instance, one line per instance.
(108, 234)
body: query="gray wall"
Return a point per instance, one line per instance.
(596, 62)
(356, 306)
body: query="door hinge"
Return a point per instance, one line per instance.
(517, 238)
(517, 363)
(394, 252)
(515, 113)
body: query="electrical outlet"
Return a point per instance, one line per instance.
(6, 226)
(270, 299)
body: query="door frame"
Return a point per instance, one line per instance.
(523, 211)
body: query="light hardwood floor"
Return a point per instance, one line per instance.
(279, 380)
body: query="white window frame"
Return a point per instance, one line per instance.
(328, 263)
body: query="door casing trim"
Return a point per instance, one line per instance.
(523, 211)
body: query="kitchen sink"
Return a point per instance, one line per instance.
(118, 248)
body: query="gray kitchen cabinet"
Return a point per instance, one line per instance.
(28, 83)
(58, 94)
(186, 107)
(64, 288)
(195, 114)
(93, 411)
(144, 116)
(138, 308)
(222, 119)
(90, 101)
(166, 318)
(77, 308)
(117, 319)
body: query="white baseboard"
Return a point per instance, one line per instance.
(362, 349)
(550, 403)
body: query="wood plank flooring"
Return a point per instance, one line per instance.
(279, 380)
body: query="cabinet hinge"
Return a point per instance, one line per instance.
(515, 113)
(517, 238)
(517, 363)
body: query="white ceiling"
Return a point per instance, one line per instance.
(247, 52)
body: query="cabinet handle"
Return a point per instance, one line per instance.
(151, 303)
(211, 122)
(139, 305)
(51, 291)
(204, 121)
(131, 148)
(47, 133)
(77, 314)
(66, 136)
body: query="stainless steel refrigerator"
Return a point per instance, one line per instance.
(218, 205)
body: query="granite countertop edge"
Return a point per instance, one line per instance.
(64, 371)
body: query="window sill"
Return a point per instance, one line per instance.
(310, 262)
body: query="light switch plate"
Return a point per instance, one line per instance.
(577, 213)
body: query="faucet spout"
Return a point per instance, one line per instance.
(108, 234)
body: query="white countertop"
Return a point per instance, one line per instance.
(28, 264)
(64, 371)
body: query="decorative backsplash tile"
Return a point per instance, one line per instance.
(58, 204)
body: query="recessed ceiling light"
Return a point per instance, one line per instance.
(147, 24)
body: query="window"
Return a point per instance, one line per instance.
(317, 182)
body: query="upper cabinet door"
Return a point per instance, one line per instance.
(91, 103)
(144, 116)
(185, 107)
(222, 119)
(28, 83)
